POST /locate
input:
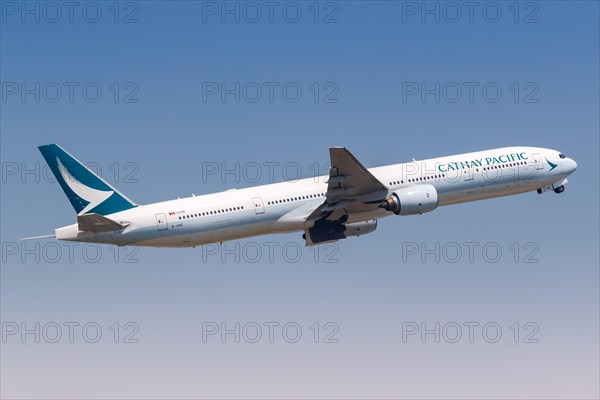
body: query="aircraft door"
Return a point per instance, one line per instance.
(537, 159)
(258, 205)
(468, 174)
(161, 222)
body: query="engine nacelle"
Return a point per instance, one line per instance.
(411, 200)
(360, 228)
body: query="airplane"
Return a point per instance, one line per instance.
(348, 202)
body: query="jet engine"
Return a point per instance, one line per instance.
(411, 200)
(328, 231)
(360, 228)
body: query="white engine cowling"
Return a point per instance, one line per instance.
(411, 200)
(360, 228)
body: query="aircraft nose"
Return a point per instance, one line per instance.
(572, 165)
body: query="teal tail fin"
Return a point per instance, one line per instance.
(87, 192)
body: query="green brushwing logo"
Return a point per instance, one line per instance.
(552, 165)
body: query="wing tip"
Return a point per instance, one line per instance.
(39, 237)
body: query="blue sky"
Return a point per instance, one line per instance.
(156, 126)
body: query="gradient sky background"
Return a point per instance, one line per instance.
(170, 135)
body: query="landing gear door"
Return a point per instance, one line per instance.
(161, 222)
(258, 205)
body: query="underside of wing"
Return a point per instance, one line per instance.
(351, 188)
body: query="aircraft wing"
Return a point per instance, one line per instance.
(351, 188)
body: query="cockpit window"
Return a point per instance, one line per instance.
(561, 155)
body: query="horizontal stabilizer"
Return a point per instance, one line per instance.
(98, 223)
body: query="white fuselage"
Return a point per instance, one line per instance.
(285, 207)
